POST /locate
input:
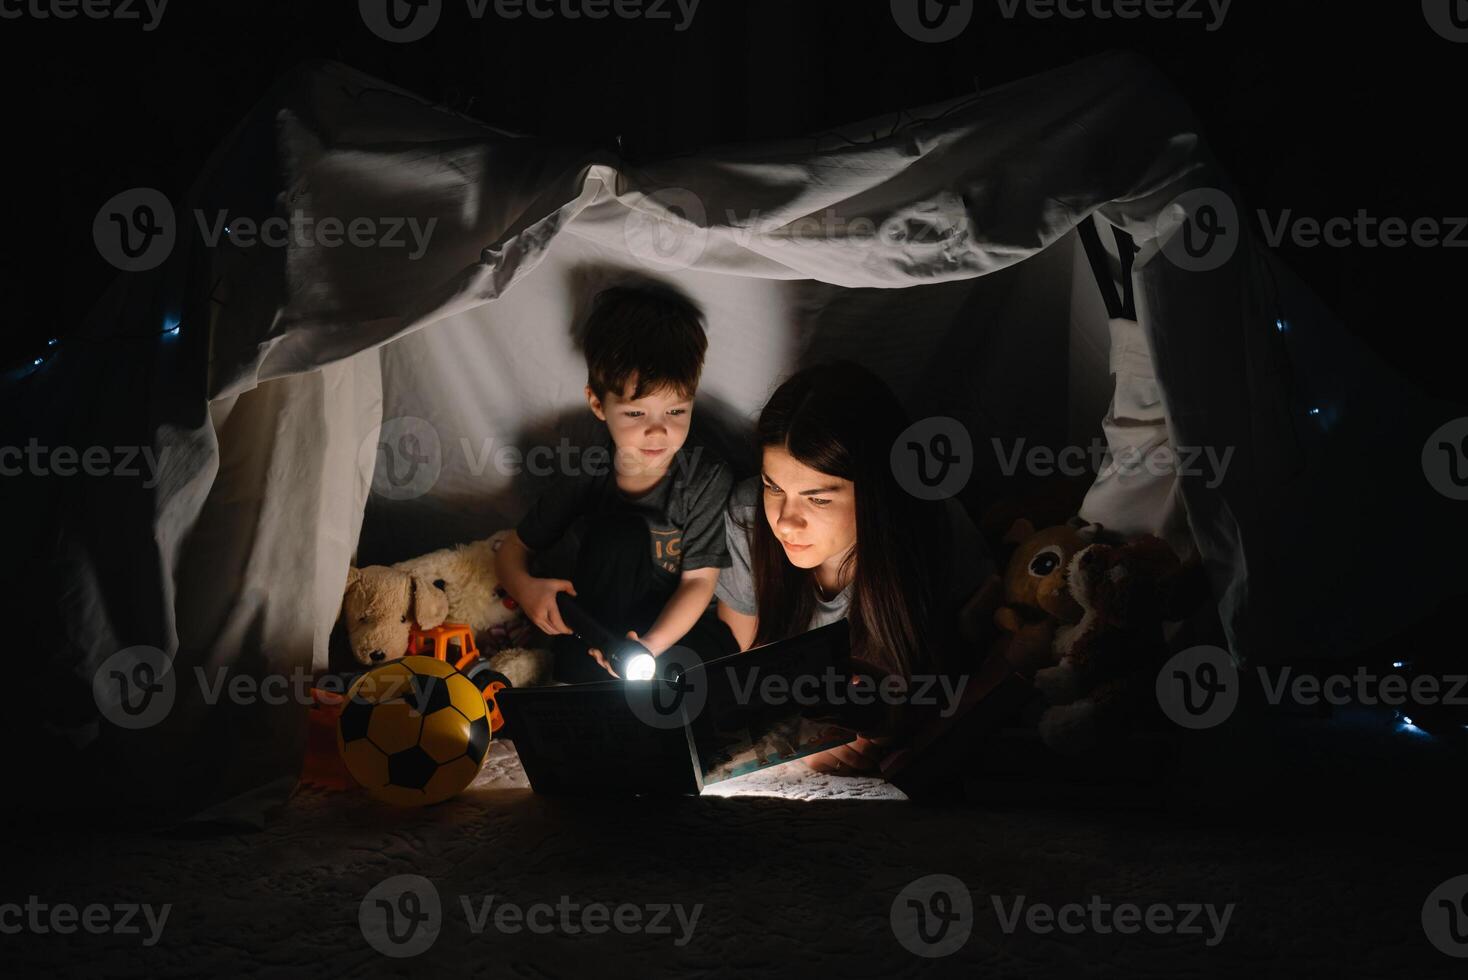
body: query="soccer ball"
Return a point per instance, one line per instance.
(414, 731)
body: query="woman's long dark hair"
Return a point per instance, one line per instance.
(842, 420)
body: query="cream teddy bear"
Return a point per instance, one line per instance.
(455, 585)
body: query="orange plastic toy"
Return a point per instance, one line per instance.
(454, 643)
(322, 764)
(437, 641)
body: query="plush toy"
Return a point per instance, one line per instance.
(457, 584)
(524, 668)
(1033, 601)
(1109, 656)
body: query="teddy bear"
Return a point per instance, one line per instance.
(1107, 657)
(1031, 599)
(457, 585)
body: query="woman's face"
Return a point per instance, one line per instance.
(813, 514)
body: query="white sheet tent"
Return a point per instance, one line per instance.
(265, 407)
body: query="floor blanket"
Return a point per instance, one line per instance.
(781, 872)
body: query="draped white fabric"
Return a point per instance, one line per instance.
(974, 300)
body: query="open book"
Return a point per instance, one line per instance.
(724, 718)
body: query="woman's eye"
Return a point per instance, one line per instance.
(678, 411)
(633, 415)
(818, 501)
(771, 488)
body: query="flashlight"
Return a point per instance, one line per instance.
(631, 660)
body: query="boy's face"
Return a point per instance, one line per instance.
(646, 431)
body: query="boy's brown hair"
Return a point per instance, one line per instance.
(650, 332)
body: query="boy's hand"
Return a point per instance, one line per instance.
(599, 658)
(538, 598)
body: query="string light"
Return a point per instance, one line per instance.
(171, 328)
(1325, 419)
(1407, 725)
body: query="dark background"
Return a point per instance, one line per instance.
(1322, 108)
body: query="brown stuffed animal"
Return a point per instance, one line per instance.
(1035, 599)
(457, 584)
(1109, 657)
(381, 604)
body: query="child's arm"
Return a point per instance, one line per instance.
(537, 596)
(683, 609)
(743, 626)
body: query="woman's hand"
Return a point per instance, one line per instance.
(853, 759)
(599, 658)
(538, 598)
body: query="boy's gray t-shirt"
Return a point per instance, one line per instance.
(684, 511)
(971, 563)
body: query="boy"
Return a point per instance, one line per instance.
(651, 513)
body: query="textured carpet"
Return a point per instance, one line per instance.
(792, 872)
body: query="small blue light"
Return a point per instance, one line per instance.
(37, 362)
(1314, 411)
(170, 326)
(1398, 664)
(1279, 325)
(52, 342)
(1409, 727)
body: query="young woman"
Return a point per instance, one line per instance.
(826, 531)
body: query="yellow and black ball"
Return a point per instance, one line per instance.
(414, 731)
